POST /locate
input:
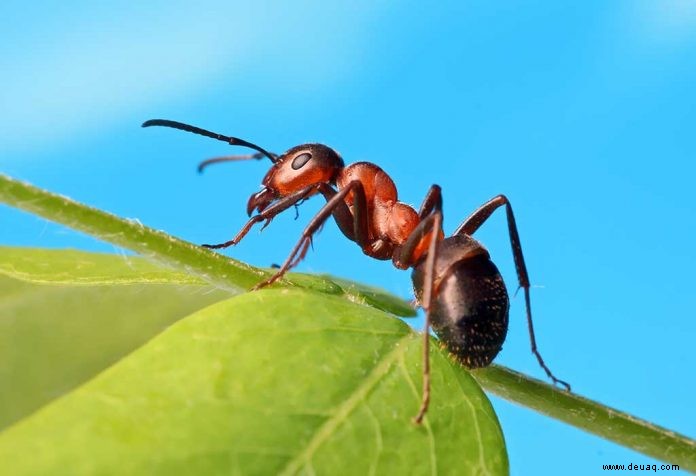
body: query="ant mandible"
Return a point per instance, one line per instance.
(455, 281)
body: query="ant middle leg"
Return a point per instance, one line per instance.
(428, 231)
(427, 299)
(408, 254)
(337, 207)
(473, 223)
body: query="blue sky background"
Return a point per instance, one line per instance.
(582, 114)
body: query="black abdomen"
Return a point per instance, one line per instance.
(470, 312)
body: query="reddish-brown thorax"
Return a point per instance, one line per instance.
(390, 221)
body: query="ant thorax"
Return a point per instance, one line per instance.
(391, 221)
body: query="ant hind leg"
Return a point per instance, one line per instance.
(473, 223)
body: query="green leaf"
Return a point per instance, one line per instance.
(277, 381)
(375, 297)
(53, 338)
(96, 309)
(74, 267)
(78, 267)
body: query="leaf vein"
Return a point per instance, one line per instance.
(378, 440)
(426, 423)
(347, 407)
(477, 428)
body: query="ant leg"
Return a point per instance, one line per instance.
(472, 224)
(432, 201)
(428, 292)
(412, 249)
(267, 214)
(427, 229)
(353, 224)
(335, 202)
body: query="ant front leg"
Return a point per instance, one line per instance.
(267, 214)
(472, 224)
(337, 207)
(428, 231)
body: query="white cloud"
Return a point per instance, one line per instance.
(68, 72)
(666, 22)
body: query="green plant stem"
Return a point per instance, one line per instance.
(582, 413)
(590, 416)
(221, 271)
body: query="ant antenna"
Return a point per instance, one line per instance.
(197, 130)
(230, 158)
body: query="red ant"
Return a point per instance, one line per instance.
(457, 284)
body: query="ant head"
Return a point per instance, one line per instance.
(298, 168)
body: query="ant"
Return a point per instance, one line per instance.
(457, 284)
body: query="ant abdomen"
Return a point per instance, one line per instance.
(470, 308)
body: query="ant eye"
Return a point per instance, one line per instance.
(299, 161)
